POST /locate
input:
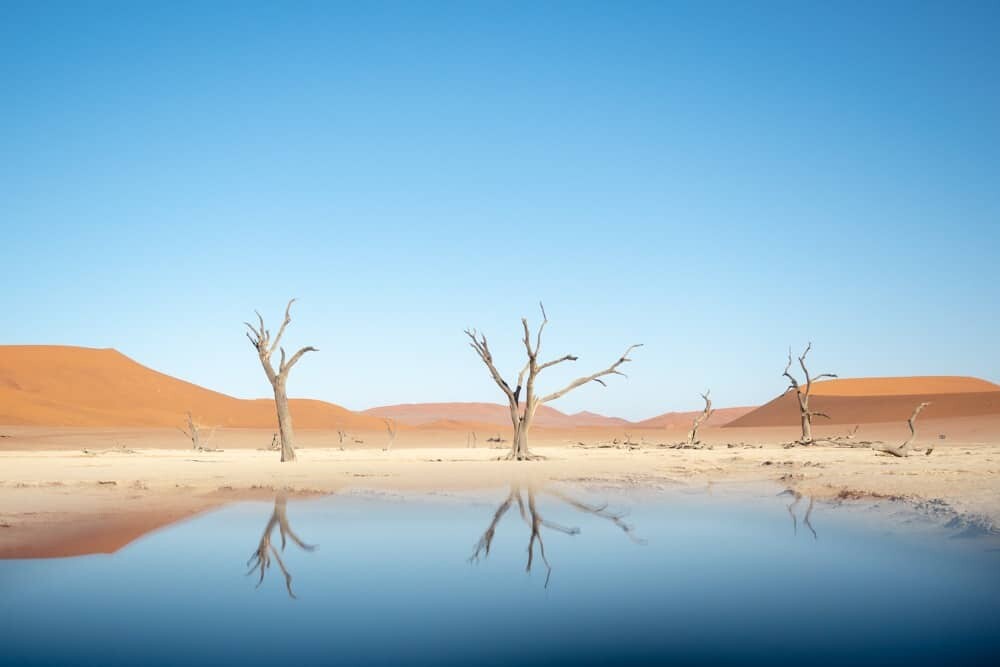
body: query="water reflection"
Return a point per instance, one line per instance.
(806, 519)
(535, 521)
(260, 560)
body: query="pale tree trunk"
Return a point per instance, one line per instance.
(700, 419)
(807, 435)
(193, 433)
(519, 443)
(260, 338)
(522, 417)
(803, 393)
(904, 449)
(284, 423)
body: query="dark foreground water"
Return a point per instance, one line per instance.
(681, 579)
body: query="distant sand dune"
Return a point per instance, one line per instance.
(873, 400)
(461, 415)
(76, 386)
(720, 417)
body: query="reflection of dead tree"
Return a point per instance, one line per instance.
(617, 518)
(802, 394)
(260, 338)
(700, 419)
(522, 415)
(390, 427)
(261, 558)
(904, 449)
(535, 521)
(193, 433)
(806, 519)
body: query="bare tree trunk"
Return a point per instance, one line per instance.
(803, 393)
(193, 434)
(519, 444)
(700, 419)
(260, 338)
(521, 417)
(284, 423)
(807, 434)
(390, 428)
(904, 449)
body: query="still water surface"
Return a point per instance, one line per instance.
(650, 578)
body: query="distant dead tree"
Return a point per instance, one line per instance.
(522, 414)
(275, 443)
(470, 440)
(700, 419)
(390, 427)
(260, 338)
(532, 517)
(193, 433)
(260, 560)
(904, 449)
(802, 394)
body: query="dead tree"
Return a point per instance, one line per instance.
(193, 433)
(470, 440)
(522, 413)
(260, 560)
(390, 427)
(904, 449)
(802, 394)
(700, 419)
(535, 521)
(260, 338)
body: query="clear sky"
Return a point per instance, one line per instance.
(716, 180)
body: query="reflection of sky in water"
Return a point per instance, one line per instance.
(720, 579)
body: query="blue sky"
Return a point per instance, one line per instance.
(715, 180)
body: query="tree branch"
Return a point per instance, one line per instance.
(284, 324)
(295, 357)
(482, 348)
(610, 370)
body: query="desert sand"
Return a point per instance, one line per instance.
(57, 500)
(91, 459)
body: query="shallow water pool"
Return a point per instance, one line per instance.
(616, 578)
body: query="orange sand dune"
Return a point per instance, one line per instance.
(720, 417)
(466, 415)
(902, 386)
(871, 400)
(74, 386)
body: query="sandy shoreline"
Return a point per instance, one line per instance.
(60, 501)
